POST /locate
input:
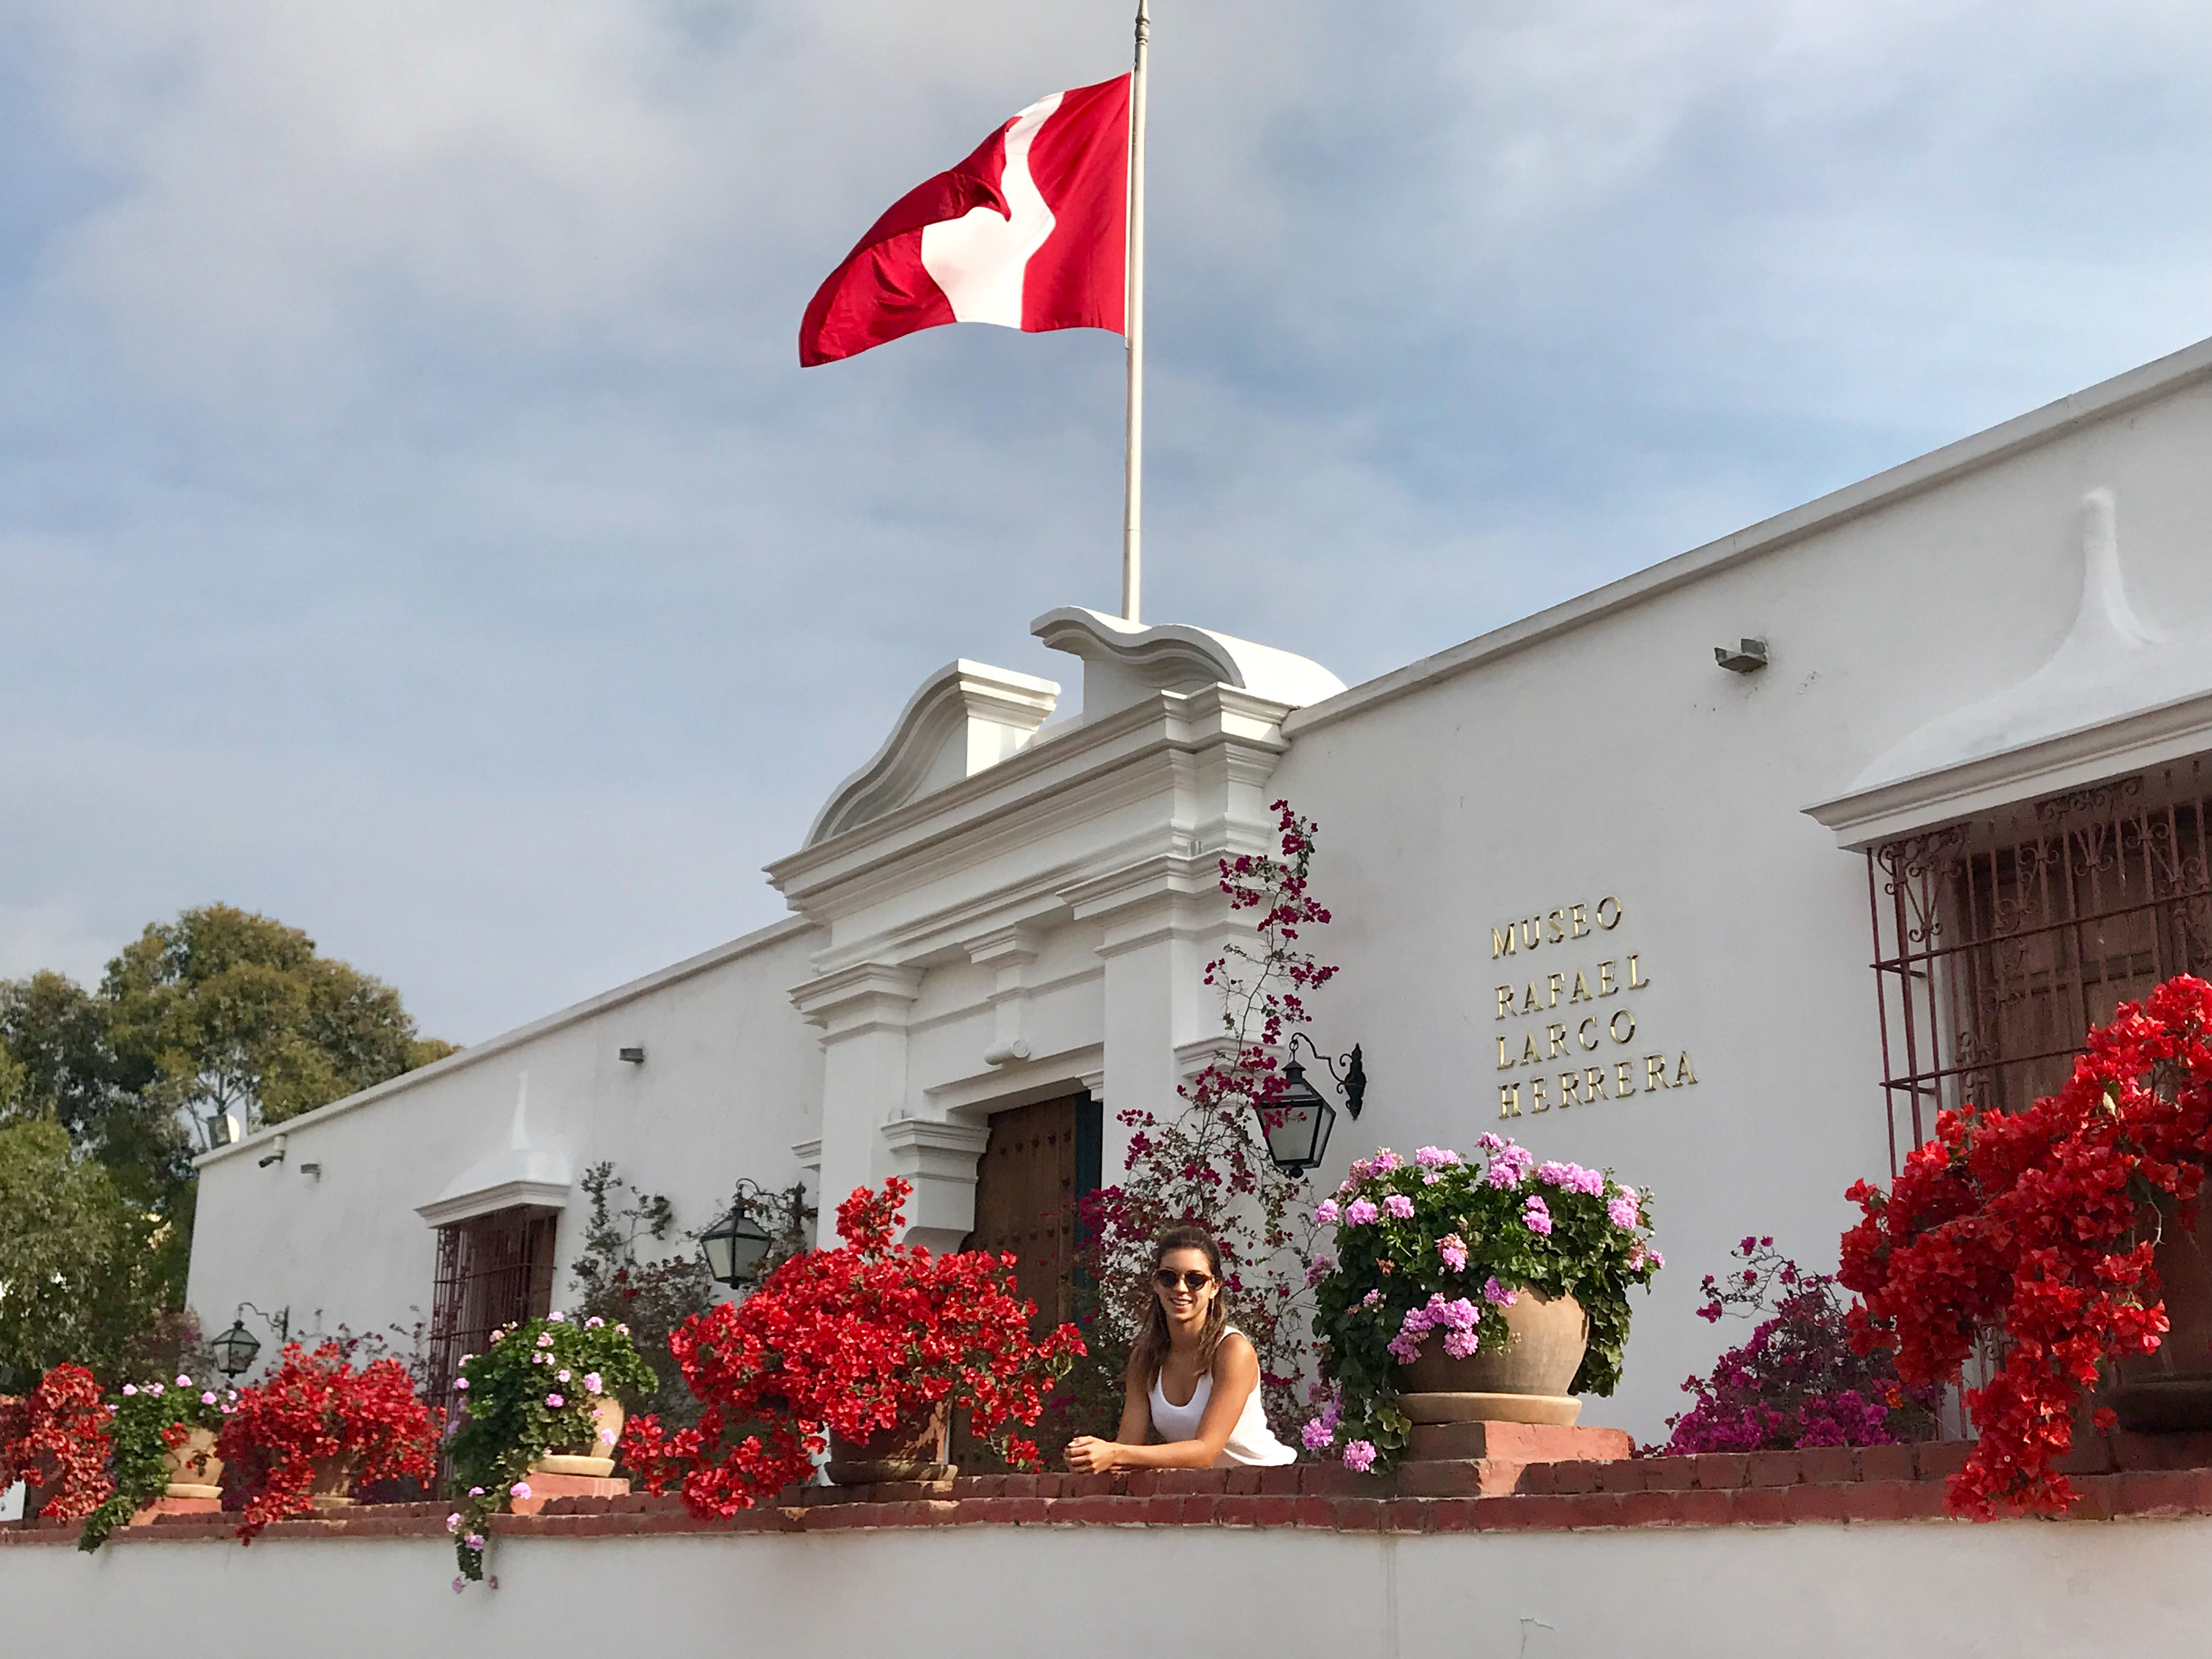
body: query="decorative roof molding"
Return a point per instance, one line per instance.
(518, 1174)
(2116, 696)
(967, 716)
(1125, 662)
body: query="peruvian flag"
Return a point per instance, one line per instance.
(1030, 231)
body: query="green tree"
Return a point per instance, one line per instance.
(84, 1272)
(106, 1095)
(57, 1033)
(223, 1012)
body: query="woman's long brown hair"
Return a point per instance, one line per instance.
(1153, 1337)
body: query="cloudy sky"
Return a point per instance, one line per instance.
(414, 523)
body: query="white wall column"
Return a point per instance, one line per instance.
(940, 1157)
(1161, 920)
(863, 1011)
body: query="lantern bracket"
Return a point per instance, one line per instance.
(280, 1321)
(1348, 1072)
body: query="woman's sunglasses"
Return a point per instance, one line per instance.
(1167, 1278)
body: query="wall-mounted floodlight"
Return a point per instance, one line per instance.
(634, 1056)
(1748, 657)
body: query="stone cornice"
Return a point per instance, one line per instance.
(1005, 843)
(868, 996)
(1077, 763)
(926, 1137)
(505, 1195)
(2071, 760)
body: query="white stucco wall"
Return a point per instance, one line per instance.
(1812, 1592)
(1612, 756)
(732, 1079)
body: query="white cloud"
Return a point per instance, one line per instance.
(432, 540)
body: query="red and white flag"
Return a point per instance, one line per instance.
(1030, 231)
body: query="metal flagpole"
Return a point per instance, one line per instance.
(1133, 484)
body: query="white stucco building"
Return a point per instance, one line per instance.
(1973, 743)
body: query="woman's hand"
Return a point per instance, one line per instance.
(1088, 1454)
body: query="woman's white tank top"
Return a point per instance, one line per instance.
(1251, 1443)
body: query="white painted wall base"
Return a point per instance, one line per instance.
(977, 1593)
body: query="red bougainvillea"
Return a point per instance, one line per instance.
(2039, 1226)
(316, 1414)
(55, 1439)
(853, 1340)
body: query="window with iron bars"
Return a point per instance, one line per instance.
(493, 1270)
(1999, 943)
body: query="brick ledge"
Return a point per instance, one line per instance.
(2117, 1477)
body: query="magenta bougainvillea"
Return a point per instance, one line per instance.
(1796, 1380)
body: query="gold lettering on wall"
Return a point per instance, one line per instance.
(1576, 982)
(1558, 927)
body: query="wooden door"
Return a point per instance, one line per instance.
(1040, 1162)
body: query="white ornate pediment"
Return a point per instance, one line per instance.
(1126, 662)
(2118, 695)
(967, 716)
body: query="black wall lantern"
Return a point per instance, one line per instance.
(1296, 1123)
(761, 1227)
(237, 1348)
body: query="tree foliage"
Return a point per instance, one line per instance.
(106, 1094)
(83, 1270)
(222, 1010)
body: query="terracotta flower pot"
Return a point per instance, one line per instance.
(2172, 1389)
(334, 1482)
(910, 1450)
(194, 1469)
(607, 1416)
(1525, 1380)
